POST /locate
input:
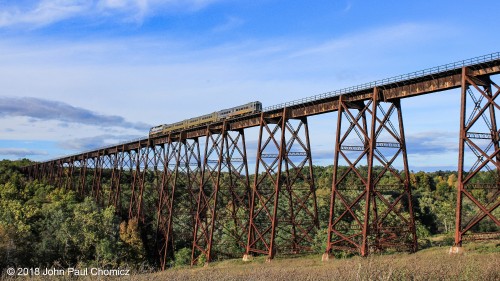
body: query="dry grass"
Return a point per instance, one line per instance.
(481, 261)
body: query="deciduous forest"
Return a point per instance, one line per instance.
(45, 225)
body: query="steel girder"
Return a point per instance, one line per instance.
(371, 203)
(223, 197)
(283, 209)
(477, 212)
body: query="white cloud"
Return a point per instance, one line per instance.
(21, 152)
(43, 109)
(155, 80)
(229, 24)
(86, 143)
(47, 12)
(43, 13)
(388, 36)
(162, 80)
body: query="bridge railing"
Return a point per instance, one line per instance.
(390, 80)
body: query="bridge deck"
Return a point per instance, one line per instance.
(427, 81)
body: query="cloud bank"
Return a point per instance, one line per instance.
(95, 142)
(21, 152)
(41, 109)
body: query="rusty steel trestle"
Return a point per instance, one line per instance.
(223, 196)
(477, 215)
(283, 209)
(371, 202)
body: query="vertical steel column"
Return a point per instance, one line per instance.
(478, 197)
(284, 223)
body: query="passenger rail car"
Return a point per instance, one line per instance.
(249, 108)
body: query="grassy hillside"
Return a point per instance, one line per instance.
(480, 262)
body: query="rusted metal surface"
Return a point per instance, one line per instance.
(223, 197)
(407, 86)
(279, 211)
(208, 195)
(479, 148)
(178, 189)
(169, 160)
(283, 210)
(366, 214)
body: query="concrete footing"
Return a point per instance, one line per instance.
(327, 257)
(456, 250)
(247, 257)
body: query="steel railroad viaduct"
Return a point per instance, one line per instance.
(275, 209)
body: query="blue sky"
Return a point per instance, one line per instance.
(82, 74)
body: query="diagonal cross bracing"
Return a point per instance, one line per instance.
(283, 210)
(371, 205)
(477, 212)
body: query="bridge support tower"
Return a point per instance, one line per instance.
(222, 211)
(371, 203)
(283, 209)
(478, 192)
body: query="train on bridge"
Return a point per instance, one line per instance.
(248, 212)
(249, 108)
